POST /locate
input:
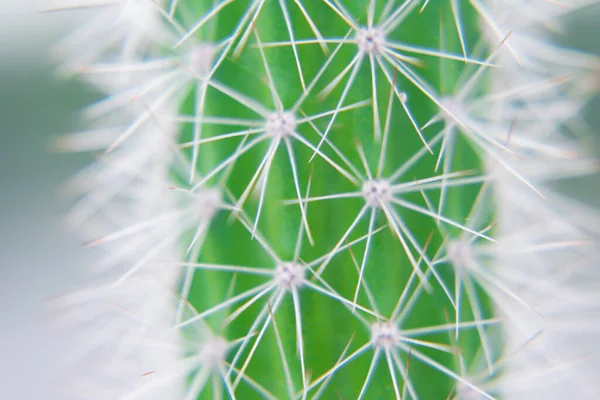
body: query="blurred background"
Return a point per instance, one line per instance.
(39, 257)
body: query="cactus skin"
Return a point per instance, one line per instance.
(388, 269)
(427, 240)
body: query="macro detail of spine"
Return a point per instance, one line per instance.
(331, 199)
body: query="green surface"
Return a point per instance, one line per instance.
(327, 325)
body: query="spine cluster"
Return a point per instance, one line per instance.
(323, 199)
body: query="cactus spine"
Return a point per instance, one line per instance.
(311, 199)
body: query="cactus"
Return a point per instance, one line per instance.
(328, 199)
